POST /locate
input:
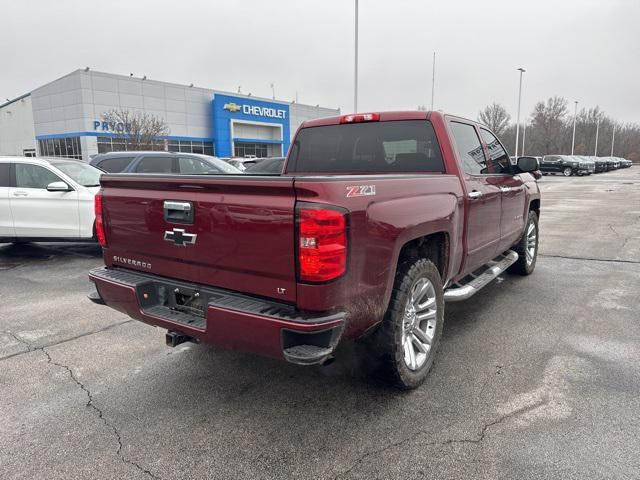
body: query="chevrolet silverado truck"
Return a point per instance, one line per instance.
(377, 220)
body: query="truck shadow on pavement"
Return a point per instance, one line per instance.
(16, 254)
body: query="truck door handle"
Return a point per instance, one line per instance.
(178, 212)
(474, 194)
(20, 193)
(506, 189)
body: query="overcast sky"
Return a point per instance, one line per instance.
(585, 50)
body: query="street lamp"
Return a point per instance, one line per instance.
(273, 90)
(595, 153)
(521, 70)
(575, 115)
(613, 138)
(433, 79)
(355, 86)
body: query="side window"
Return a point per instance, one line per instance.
(190, 165)
(469, 148)
(34, 176)
(5, 175)
(155, 164)
(115, 165)
(499, 161)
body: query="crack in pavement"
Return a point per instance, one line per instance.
(473, 441)
(31, 348)
(90, 404)
(589, 259)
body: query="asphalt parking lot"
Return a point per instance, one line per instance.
(536, 377)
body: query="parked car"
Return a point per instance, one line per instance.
(378, 220)
(624, 163)
(272, 165)
(242, 163)
(47, 199)
(588, 161)
(566, 165)
(162, 162)
(600, 164)
(612, 163)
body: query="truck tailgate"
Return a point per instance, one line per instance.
(244, 229)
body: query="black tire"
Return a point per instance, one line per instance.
(567, 172)
(387, 342)
(522, 266)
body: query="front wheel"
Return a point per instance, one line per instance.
(527, 247)
(409, 335)
(567, 172)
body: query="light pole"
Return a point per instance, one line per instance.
(595, 153)
(273, 90)
(355, 86)
(433, 80)
(575, 115)
(524, 135)
(521, 70)
(613, 138)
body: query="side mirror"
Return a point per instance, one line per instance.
(527, 164)
(58, 187)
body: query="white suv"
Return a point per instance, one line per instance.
(47, 199)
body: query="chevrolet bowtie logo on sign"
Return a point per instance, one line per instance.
(180, 237)
(232, 107)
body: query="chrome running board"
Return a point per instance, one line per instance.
(469, 285)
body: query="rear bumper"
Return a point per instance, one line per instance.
(220, 317)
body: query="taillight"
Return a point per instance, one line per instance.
(100, 235)
(322, 248)
(360, 117)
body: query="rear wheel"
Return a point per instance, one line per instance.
(527, 247)
(567, 172)
(410, 333)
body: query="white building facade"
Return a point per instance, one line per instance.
(65, 118)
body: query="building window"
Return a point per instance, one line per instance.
(191, 146)
(259, 150)
(68, 147)
(29, 152)
(119, 144)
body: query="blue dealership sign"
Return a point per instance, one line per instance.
(229, 108)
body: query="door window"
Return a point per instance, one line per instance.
(34, 176)
(115, 165)
(190, 165)
(469, 148)
(155, 164)
(5, 174)
(499, 161)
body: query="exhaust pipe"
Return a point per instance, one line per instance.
(173, 339)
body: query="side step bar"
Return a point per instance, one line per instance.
(470, 284)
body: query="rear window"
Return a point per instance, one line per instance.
(384, 147)
(115, 164)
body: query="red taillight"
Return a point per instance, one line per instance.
(100, 235)
(322, 249)
(360, 117)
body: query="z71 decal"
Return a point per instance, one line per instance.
(361, 190)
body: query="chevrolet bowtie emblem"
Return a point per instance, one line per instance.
(232, 107)
(180, 237)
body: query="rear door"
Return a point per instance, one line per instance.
(38, 212)
(6, 219)
(511, 188)
(483, 200)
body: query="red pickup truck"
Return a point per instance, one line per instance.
(376, 222)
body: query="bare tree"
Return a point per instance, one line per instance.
(139, 130)
(495, 117)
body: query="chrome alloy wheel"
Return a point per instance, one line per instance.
(419, 323)
(532, 242)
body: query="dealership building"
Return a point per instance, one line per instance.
(65, 118)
